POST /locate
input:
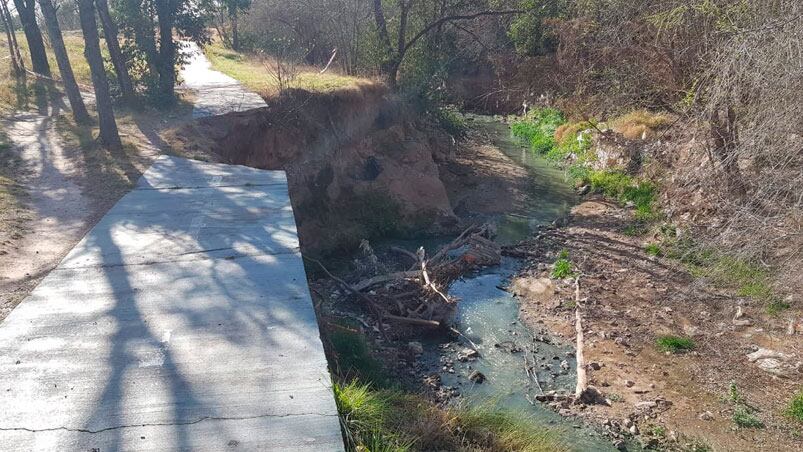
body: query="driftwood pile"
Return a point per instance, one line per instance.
(418, 295)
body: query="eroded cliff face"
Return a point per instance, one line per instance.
(359, 164)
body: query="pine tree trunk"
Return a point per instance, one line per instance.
(111, 33)
(27, 12)
(108, 127)
(57, 42)
(15, 65)
(166, 12)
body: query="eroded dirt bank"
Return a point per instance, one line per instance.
(742, 357)
(359, 163)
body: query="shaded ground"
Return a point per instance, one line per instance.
(632, 298)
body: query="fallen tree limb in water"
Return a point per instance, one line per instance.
(417, 296)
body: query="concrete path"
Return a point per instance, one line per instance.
(182, 321)
(217, 93)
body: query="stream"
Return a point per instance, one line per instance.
(489, 315)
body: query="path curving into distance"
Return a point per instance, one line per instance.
(216, 92)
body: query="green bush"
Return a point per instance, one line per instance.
(674, 344)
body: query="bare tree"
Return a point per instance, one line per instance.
(36, 46)
(65, 68)
(108, 126)
(111, 33)
(395, 55)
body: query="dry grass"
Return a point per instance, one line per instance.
(258, 73)
(641, 124)
(13, 213)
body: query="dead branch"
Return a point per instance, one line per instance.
(582, 378)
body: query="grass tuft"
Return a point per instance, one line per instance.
(674, 344)
(653, 249)
(795, 409)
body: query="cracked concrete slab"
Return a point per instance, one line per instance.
(182, 321)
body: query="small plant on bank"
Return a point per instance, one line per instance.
(743, 413)
(563, 266)
(653, 250)
(795, 410)
(743, 417)
(674, 344)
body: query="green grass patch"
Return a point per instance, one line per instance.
(390, 420)
(537, 129)
(795, 409)
(653, 249)
(674, 344)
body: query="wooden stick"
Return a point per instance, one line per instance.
(582, 377)
(412, 321)
(379, 279)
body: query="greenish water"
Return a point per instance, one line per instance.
(489, 315)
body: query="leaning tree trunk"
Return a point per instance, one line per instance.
(27, 12)
(111, 33)
(724, 135)
(15, 63)
(57, 42)
(16, 46)
(166, 12)
(108, 127)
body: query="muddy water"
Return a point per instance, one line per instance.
(489, 316)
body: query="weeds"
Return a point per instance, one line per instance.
(641, 124)
(674, 344)
(743, 413)
(563, 266)
(451, 121)
(385, 420)
(743, 417)
(795, 410)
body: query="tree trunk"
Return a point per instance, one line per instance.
(235, 35)
(108, 127)
(166, 12)
(725, 138)
(15, 62)
(13, 35)
(27, 12)
(57, 42)
(110, 32)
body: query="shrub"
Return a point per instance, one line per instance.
(795, 410)
(674, 344)
(451, 121)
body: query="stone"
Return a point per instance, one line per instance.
(706, 416)
(630, 383)
(594, 365)
(477, 377)
(415, 347)
(646, 405)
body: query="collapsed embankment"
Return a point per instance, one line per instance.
(360, 163)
